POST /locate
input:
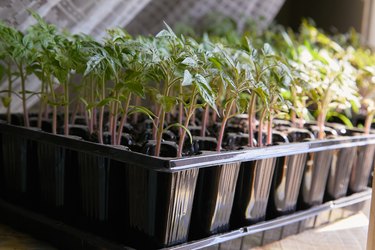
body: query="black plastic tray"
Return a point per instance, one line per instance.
(66, 237)
(276, 223)
(206, 159)
(151, 199)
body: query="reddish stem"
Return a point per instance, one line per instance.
(154, 129)
(251, 119)
(180, 117)
(269, 128)
(159, 134)
(183, 134)
(9, 76)
(24, 106)
(101, 118)
(123, 120)
(205, 120)
(260, 128)
(54, 119)
(321, 118)
(222, 128)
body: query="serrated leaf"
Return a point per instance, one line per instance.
(216, 62)
(205, 91)
(135, 88)
(92, 63)
(106, 101)
(227, 80)
(167, 102)
(190, 62)
(164, 33)
(188, 78)
(142, 110)
(84, 101)
(267, 49)
(243, 103)
(169, 29)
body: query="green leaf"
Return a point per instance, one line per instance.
(342, 117)
(243, 103)
(6, 101)
(135, 88)
(190, 62)
(216, 62)
(267, 50)
(205, 91)
(227, 79)
(183, 127)
(142, 110)
(92, 63)
(188, 78)
(106, 101)
(165, 33)
(167, 102)
(169, 29)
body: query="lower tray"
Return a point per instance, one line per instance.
(281, 227)
(67, 237)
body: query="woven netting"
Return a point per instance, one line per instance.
(137, 16)
(191, 12)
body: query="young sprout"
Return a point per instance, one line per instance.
(364, 61)
(43, 36)
(195, 78)
(331, 81)
(165, 56)
(18, 50)
(7, 35)
(235, 81)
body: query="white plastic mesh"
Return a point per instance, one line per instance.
(151, 18)
(138, 16)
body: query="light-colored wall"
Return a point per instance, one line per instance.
(371, 24)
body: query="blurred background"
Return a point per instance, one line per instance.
(147, 16)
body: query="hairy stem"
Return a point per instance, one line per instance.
(222, 128)
(205, 120)
(154, 129)
(66, 107)
(293, 115)
(54, 107)
(24, 104)
(321, 119)
(41, 105)
(260, 127)
(123, 119)
(101, 114)
(114, 124)
(187, 120)
(159, 134)
(180, 113)
(269, 128)
(250, 120)
(160, 124)
(9, 76)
